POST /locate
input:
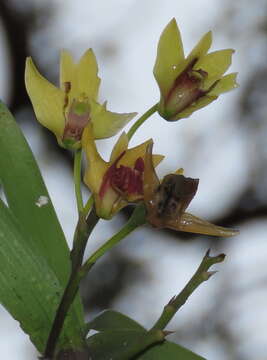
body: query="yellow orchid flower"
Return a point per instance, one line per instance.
(119, 181)
(188, 84)
(68, 109)
(166, 202)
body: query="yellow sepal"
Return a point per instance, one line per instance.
(170, 56)
(107, 123)
(47, 100)
(215, 65)
(194, 224)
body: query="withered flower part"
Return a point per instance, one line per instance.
(167, 201)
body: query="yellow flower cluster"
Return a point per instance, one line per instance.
(73, 114)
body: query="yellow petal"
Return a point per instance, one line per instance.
(107, 123)
(226, 83)
(47, 100)
(133, 154)
(200, 103)
(81, 79)
(104, 206)
(151, 181)
(193, 224)
(120, 146)
(87, 70)
(215, 64)
(120, 204)
(170, 56)
(97, 167)
(157, 159)
(67, 69)
(201, 48)
(198, 51)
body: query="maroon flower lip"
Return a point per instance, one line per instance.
(186, 90)
(123, 179)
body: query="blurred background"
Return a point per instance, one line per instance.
(224, 145)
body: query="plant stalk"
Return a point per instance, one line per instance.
(202, 274)
(77, 179)
(82, 233)
(141, 120)
(137, 219)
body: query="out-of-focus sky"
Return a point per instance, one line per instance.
(222, 144)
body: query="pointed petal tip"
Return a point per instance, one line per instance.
(173, 22)
(28, 59)
(209, 33)
(149, 147)
(29, 65)
(131, 115)
(194, 224)
(232, 232)
(208, 37)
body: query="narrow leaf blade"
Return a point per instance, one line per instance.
(23, 186)
(24, 189)
(29, 289)
(111, 344)
(168, 350)
(113, 320)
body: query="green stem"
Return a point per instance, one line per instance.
(77, 179)
(202, 274)
(142, 343)
(88, 205)
(137, 219)
(83, 230)
(141, 120)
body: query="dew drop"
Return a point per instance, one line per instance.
(174, 67)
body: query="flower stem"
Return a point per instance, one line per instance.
(88, 205)
(77, 179)
(141, 120)
(137, 219)
(83, 230)
(202, 274)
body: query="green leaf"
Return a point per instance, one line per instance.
(168, 350)
(112, 344)
(113, 320)
(23, 185)
(118, 333)
(29, 289)
(29, 202)
(125, 344)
